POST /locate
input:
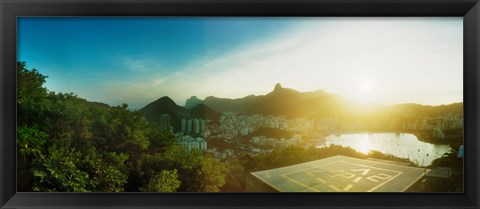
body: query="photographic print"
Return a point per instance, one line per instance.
(240, 104)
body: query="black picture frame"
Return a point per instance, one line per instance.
(11, 9)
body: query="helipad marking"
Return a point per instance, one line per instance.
(375, 178)
(365, 171)
(315, 167)
(321, 180)
(380, 176)
(344, 175)
(268, 183)
(381, 184)
(369, 166)
(363, 176)
(310, 173)
(334, 188)
(267, 174)
(348, 187)
(413, 182)
(301, 184)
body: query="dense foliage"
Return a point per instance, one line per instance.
(68, 144)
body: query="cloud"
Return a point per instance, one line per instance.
(139, 65)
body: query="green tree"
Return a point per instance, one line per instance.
(164, 181)
(32, 103)
(188, 164)
(30, 145)
(56, 170)
(66, 143)
(236, 177)
(214, 173)
(107, 170)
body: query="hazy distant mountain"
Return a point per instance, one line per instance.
(292, 103)
(428, 110)
(165, 105)
(229, 105)
(192, 102)
(281, 101)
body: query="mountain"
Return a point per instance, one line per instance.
(292, 104)
(204, 112)
(192, 102)
(428, 110)
(229, 105)
(281, 101)
(165, 105)
(318, 104)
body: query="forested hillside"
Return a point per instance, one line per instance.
(68, 144)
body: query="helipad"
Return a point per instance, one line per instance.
(337, 174)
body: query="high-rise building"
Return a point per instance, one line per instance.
(165, 122)
(189, 126)
(202, 126)
(184, 125)
(196, 126)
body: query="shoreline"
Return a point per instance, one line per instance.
(423, 137)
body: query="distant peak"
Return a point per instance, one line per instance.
(165, 99)
(192, 102)
(278, 86)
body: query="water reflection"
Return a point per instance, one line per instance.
(401, 145)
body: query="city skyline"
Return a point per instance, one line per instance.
(138, 60)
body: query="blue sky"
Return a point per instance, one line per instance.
(137, 60)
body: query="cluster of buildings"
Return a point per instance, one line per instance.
(221, 154)
(232, 125)
(188, 127)
(444, 123)
(277, 143)
(189, 142)
(437, 125)
(192, 126)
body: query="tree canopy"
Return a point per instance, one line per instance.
(68, 144)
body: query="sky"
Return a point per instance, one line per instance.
(136, 60)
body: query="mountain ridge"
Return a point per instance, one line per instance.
(291, 104)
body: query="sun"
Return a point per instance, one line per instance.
(366, 91)
(365, 86)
